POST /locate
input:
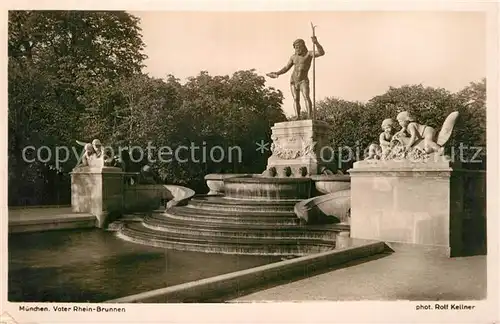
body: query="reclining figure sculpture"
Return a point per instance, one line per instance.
(413, 141)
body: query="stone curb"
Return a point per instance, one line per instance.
(226, 284)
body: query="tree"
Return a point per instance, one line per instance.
(472, 101)
(350, 129)
(471, 131)
(55, 59)
(132, 110)
(78, 44)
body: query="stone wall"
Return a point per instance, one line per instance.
(98, 191)
(474, 214)
(141, 197)
(420, 204)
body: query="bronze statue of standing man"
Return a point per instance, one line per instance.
(299, 81)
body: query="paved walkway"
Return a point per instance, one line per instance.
(33, 219)
(402, 275)
(33, 213)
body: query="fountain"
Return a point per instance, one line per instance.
(255, 214)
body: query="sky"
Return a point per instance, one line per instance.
(366, 52)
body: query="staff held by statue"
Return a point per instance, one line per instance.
(314, 72)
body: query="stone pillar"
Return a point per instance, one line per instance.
(297, 144)
(400, 201)
(97, 190)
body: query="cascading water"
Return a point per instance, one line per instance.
(267, 188)
(255, 216)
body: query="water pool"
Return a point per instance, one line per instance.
(94, 266)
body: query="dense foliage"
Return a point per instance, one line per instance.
(55, 57)
(76, 75)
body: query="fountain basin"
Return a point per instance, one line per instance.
(258, 187)
(326, 184)
(215, 181)
(330, 208)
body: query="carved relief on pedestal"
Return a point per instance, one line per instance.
(292, 147)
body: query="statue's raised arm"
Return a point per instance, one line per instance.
(320, 51)
(82, 143)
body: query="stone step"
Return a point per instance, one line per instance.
(229, 213)
(255, 246)
(167, 220)
(221, 203)
(172, 225)
(214, 208)
(196, 215)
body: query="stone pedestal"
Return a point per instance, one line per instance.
(301, 143)
(97, 190)
(416, 203)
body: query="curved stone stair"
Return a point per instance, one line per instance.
(140, 234)
(240, 205)
(234, 226)
(165, 223)
(223, 217)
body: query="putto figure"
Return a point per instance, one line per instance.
(87, 155)
(299, 80)
(96, 144)
(385, 137)
(383, 149)
(94, 154)
(414, 133)
(414, 141)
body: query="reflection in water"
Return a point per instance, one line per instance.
(94, 266)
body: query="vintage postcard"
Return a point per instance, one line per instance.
(241, 162)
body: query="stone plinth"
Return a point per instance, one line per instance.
(297, 144)
(415, 203)
(97, 190)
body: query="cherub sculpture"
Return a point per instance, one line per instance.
(94, 155)
(385, 138)
(423, 137)
(87, 155)
(413, 141)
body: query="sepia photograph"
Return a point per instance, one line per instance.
(250, 157)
